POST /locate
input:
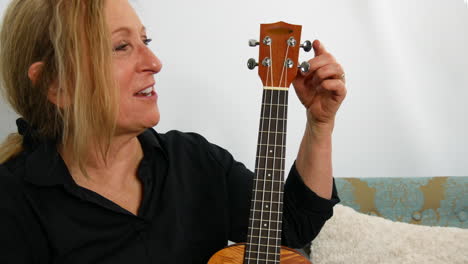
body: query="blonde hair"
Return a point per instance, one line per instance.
(71, 39)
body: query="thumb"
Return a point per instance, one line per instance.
(319, 48)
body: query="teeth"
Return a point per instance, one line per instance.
(146, 91)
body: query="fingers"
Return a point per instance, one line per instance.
(319, 48)
(329, 71)
(337, 87)
(322, 58)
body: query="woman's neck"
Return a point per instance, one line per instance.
(115, 170)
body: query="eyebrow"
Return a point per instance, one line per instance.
(143, 29)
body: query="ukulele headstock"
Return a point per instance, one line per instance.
(278, 54)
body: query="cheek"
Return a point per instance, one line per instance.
(123, 75)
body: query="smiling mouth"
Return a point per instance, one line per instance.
(145, 92)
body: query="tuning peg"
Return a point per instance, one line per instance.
(305, 66)
(307, 45)
(253, 43)
(251, 64)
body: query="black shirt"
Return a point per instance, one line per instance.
(196, 197)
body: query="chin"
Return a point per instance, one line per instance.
(138, 125)
(154, 121)
(151, 118)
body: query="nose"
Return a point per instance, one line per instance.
(149, 61)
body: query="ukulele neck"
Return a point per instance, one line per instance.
(264, 238)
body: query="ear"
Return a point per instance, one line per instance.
(52, 94)
(34, 71)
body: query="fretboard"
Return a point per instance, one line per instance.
(264, 237)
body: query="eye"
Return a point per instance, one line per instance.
(147, 41)
(121, 47)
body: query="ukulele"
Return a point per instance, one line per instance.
(279, 52)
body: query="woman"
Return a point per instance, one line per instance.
(86, 179)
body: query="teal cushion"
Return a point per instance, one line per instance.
(432, 201)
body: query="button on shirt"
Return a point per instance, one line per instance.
(196, 197)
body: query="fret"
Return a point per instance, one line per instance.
(275, 96)
(273, 248)
(272, 145)
(266, 211)
(258, 204)
(274, 202)
(267, 104)
(265, 202)
(263, 157)
(261, 203)
(273, 118)
(274, 111)
(261, 217)
(275, 207)
(269, 191)
(272, 232)
(264, 225)
(263, 250)
(269, 185)
(268, 124)
(264, 237)
(268, 180)
(272, 132)
(273, 139)
(271, 150)
(263, 183)
(262, 246)
(271, 165)
(268, 172)
(257, 245)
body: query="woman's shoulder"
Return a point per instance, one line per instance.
(176, 138)
(12, 179)
(188, 143)
(177, 135)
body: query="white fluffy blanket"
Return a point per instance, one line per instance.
(351, 237)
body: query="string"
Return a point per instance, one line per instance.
(258, 167)
(282, 154)
(271, 65)
(282, 71)
(266, 161)
(255, 200)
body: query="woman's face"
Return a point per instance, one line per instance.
(134, 66)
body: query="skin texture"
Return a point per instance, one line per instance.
(321, 91)
(134, 66)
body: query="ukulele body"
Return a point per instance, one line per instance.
(234, 254)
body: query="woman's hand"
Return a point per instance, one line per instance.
(321, 90)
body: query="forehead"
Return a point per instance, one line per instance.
(119, 13)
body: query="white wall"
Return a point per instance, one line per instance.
(406, 64)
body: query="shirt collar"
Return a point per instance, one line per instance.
(45, 166)
(150, 137)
